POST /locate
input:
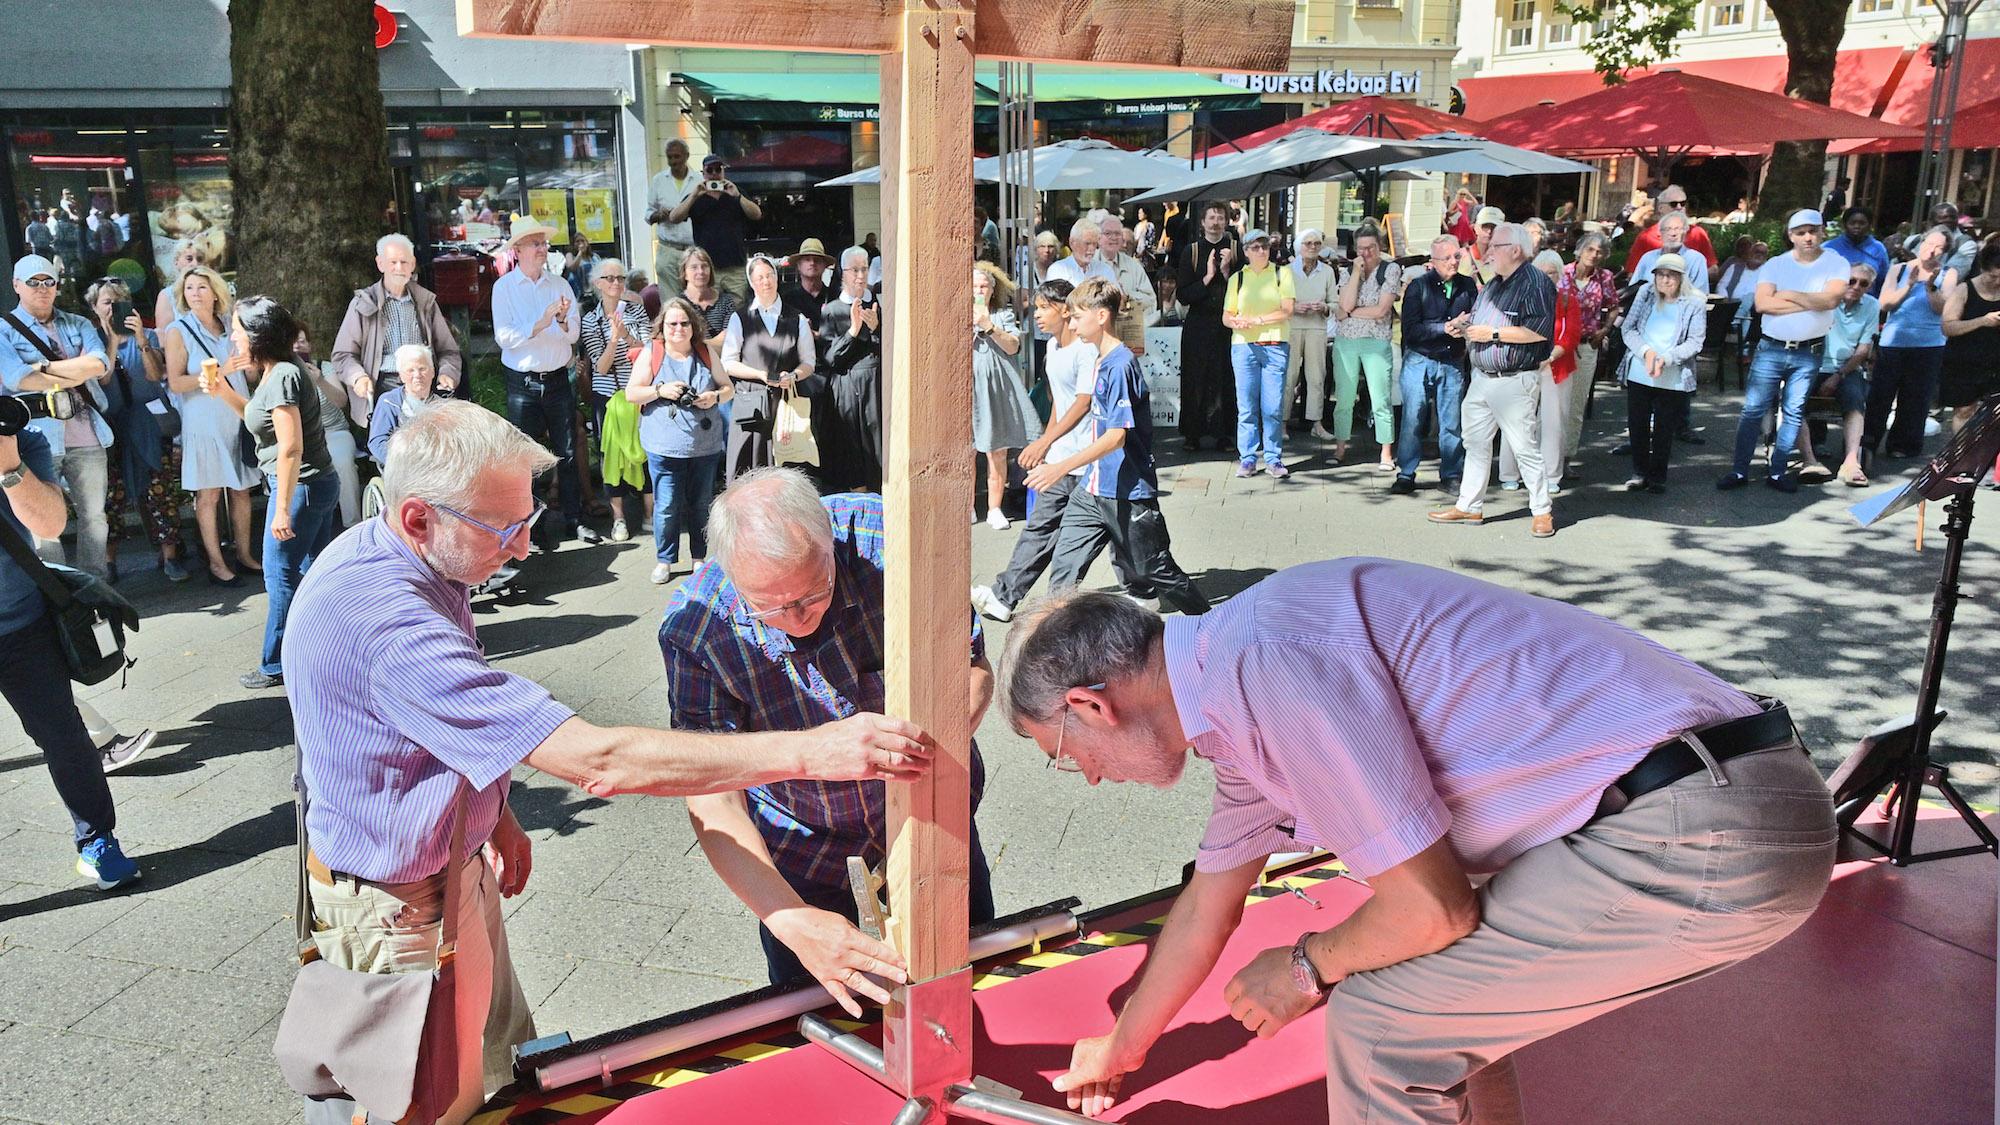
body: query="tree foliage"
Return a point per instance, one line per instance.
(309, 159)
(1630, 35)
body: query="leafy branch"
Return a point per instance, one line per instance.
(1623, 35)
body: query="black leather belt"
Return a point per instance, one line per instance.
(1673, 760)
(1812, 345)
(541, 381)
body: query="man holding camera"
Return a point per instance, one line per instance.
(34, 676)
(718, 211)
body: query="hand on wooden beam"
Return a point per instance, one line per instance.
(845, 961)
(867, 747)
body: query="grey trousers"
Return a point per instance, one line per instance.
(1037, 545)
(84, 473)
(1682, 883)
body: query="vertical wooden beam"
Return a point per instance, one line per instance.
(927, 143)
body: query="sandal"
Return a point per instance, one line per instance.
(1855, 479)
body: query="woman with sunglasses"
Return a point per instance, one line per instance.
(682, 430)
(282, 414)
(613, 333)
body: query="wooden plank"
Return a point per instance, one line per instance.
(1250, 35)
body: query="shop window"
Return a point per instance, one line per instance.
(1866, 7)
(471, 173)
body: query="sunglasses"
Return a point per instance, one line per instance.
(40, 283)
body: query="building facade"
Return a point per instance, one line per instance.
(129, 132)
(1521, 52)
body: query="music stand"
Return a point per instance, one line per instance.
(1898, 753)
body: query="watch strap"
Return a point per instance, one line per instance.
(1304, 973)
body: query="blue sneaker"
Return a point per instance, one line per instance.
(102, 862)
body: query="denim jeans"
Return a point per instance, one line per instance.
(35, 681)
(1260, 400)
(1782, 377)
(1425, 378)
(682, 489)
(315, 514)
(84, 472)
(548, 415)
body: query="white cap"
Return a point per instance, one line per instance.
(34, 265)
(1804, 217)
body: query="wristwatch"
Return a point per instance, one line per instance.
(12, 477)
(1304, 974)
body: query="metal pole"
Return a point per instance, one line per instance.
(1944, 607)
(1946, 54)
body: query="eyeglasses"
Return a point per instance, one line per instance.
(799, 606)
(1060, 761)
(610, 277)
(40, 283)
(673, 324)
(507, 535)
(1854, 281)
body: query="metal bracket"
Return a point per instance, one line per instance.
(979, 1099)
(927, 1035)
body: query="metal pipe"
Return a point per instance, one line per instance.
(848, 1047)
(916, 1111)
(977, 1105)
(618, 1050)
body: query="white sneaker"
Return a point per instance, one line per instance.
(1555, 488)
(619, 532)
(998, 521)
(975, 515)
(1150, 605)
(663, 573)
(989, 604)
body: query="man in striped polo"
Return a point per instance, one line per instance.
(400, 720)
(1644, 824)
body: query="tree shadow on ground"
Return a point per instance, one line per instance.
(238, 726)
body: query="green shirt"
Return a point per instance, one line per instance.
(1259, 293)
(285, 385)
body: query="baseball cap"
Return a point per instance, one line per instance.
(34, 265)
(1673, 262)
(1804, 217)
(712, 160)
(1256, 234)
(1489, 216)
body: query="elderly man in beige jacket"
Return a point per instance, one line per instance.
(385, 316)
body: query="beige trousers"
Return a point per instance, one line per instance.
(1548, 427)
(366, 928)
(1307, 360)
(1576, 396)
(1502, 404)
(667, 268)
(1682, 883)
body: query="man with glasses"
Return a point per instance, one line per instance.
(401, 722)
(1316, 287)
(1673, 230)
(535, 323)
(717, 212)
(671, 239)
(1509, 337)
(1850, 345)
(1637, 837)
(43, 348)
(782, 629)
(1673, 200)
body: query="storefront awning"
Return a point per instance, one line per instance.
(841, 97)
(1862, 82)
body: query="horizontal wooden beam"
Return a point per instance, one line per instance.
(1246, 35)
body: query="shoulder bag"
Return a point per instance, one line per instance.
(246, 442)
(80, 401)
(387, 1041)
(78, 603)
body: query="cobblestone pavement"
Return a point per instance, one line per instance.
(160, 1005)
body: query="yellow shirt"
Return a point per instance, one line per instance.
(1259, 293)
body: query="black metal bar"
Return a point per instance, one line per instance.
(1944, 607)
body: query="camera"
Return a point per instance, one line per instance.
(16, 411)
(713, 185)
(684, 400)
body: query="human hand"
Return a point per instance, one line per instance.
(443, 385)
(281, 525)
(982, 319)
(1226, 256)
(673, 390)
(1097, 1068)
(364, 386)
(869, 314)
(1032, 453)
(866, 747)
(10, 453)
(729, 188)
(706, 400)
(1264, 997)
(512, 855)
(838, 955)
(1043, 477)
(237, 361)
(134, 325)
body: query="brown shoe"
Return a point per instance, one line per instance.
(1545, 525)
(1456, 514)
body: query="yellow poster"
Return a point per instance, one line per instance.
(593, 214)
(550, 206)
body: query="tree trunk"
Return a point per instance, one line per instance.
(1812, 31)
(309, 158)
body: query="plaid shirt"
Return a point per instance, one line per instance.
(727, 672)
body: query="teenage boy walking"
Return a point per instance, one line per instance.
(1117, 502)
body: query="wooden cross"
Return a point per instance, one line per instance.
(927, 50)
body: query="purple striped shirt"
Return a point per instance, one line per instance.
(1372, 707)
(393, 703)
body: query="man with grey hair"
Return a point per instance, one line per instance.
(847, 416)
(1510, 336)
(408, 739)
(1085, 239)
(781, 629)
(1142, 305)
(1637, 840)
(384, 317)
(670, 188)
(1673, 228)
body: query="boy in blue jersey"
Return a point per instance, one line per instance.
(1117, 503)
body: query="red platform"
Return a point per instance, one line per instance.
(1880, 1009)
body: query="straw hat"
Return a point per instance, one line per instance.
(813, 248)
(526, 226)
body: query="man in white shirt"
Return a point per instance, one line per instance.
(1084, 238)
(1673, 239)
(1142, 306)
(1797, 293)
(670, 239)
(1317, 290)
(535, 324)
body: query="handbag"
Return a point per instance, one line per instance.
(796, 445)
(78, 602)
(388, 1041)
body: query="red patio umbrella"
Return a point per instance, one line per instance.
(1393, 117)
(1975, 126)
(1664, 116)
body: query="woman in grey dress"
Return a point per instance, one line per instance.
(1003, 418)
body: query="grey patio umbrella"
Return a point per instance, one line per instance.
(1481, 157)
(1304, 157)
(1072, 165)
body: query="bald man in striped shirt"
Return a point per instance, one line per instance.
(1555, 815)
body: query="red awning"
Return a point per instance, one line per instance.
(1911, 99)
(1975, 127)
(1406, 119)
(1674, 110)
(1860, 79)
